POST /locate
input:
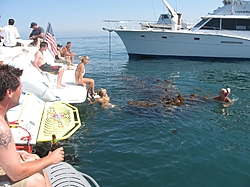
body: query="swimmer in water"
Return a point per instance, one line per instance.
(223, 95)
(104, 99)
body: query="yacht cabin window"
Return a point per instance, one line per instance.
(236, 24)
(213, 24)
(226, 24)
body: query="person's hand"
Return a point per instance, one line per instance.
(57, 155)
(23, 155)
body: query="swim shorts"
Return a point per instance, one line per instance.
(7, 182)
(51, 69)
(34, 43)
(65, 62)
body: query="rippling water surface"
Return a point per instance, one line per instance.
(200, 143)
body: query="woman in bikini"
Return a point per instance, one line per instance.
(79, 75)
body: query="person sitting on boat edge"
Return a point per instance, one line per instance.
(10, 34)
(223, 95)
(19, 168)
(104, 99)
(79, 75)
(63, 60)
(66, 52)
(37, 35)
(42, 66)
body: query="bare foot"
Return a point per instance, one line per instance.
(60, 87)
(70, 68)
(63, 85)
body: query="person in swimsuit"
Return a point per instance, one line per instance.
(223, 95)
(60, 59)
(19, 168)
(79, 75)
(66, 52)
(42, 66)
(104, 99)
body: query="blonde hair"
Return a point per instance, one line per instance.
(101, 91)
(81, 58)
(226, 91)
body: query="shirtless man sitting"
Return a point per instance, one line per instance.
(18, 168)
(66, 52)
(42, 66)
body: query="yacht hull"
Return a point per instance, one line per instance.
(183, 44)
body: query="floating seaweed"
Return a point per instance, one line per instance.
(149, 90)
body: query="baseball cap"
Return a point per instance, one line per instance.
(33, 24)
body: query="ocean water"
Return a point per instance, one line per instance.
(143, 142)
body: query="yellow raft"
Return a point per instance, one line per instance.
(35, 120)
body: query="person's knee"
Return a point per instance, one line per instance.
(36, 180)
(61, 70)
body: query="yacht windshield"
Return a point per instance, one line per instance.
(200, 23)
(213, 24)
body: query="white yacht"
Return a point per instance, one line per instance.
(223, 34)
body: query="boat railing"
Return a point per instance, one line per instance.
(63, 174)
(112, 25)
(220, 31)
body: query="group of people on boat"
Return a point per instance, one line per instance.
(9, 34)
(64, 56)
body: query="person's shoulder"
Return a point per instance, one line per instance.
(4, 128)
(41, 28)
(38, 53)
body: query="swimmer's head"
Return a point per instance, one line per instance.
(102, 92)
(225, 92)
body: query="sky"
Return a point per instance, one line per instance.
(70, 18)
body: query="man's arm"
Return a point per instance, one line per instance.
(10, 160)
(36, 61)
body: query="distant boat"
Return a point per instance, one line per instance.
(223, 34)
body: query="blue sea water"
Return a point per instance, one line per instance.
(200, 143)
